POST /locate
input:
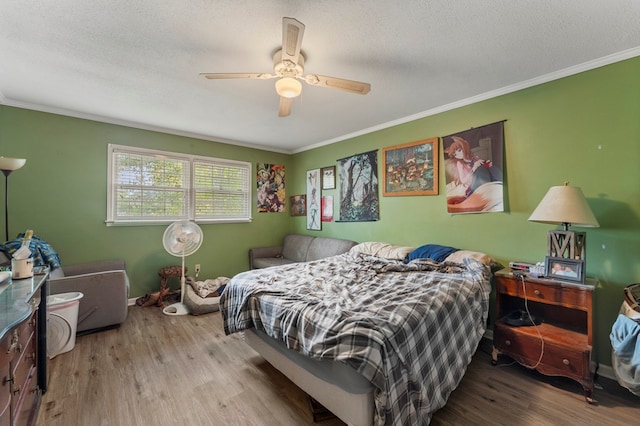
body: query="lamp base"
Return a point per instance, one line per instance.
(176, 309)
(567, 245)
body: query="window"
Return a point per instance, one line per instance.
(148, 186)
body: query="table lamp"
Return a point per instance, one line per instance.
(565, 205)
(7, 165)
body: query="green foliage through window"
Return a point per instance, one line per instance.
(152, 186)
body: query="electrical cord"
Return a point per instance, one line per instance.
(526, 308)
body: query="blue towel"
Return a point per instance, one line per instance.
(435, 252)
(625, 340)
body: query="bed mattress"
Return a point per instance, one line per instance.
(409, 329)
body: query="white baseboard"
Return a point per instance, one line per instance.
(132, 301)
(604, 370)
(607, 372)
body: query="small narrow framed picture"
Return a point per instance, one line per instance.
(558, 268)
(298, 205)
(329, 177)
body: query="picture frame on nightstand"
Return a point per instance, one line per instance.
(562, 269)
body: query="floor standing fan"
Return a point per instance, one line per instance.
(181, 239)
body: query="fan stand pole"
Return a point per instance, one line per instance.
(178, 308)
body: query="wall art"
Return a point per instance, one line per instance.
(313, 200)
(411, 168)
(298, 205)
(473, 169)
(358, 177)
(271, 188)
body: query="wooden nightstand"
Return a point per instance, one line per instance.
(566, 310)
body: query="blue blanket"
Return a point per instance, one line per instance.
(41, 252)
(625, 340)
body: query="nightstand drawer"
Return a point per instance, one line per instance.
(538, 292)
(567, 361)
(556, 293)
(557, 359)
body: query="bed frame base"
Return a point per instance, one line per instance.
(353, 409)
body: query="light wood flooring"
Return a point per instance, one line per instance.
(182, 370)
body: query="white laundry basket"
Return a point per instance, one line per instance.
(62, 321)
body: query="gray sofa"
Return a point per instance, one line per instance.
(298, 248)
(105, 286)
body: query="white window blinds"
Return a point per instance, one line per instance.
(222, 190)
(147, 186)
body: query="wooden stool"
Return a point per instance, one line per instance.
(166, 273)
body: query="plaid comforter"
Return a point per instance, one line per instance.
(411, 329)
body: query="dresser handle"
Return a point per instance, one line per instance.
(14, 341)
(17, 390)
(7, 380)
(566, 361)
(507, 342)
(536, 292)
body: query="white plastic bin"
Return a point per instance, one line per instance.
(62, 321)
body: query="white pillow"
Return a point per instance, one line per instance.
(460, 255)
(384, 250)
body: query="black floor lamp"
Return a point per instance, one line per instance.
(7, 165)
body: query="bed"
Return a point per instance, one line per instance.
(378, 336)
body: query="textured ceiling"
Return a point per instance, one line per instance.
(137, 62)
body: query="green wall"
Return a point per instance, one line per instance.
(61, 193)
(583, 129)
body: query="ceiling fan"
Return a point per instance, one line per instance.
(288, 68)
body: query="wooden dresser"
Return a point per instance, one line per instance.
(562, 344)
(22, 349)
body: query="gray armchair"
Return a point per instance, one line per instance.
(105, 286)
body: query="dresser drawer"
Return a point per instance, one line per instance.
(5, 385)
(26, 411)
(23, 364)
(26, 331)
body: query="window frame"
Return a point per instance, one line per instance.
(190, 208)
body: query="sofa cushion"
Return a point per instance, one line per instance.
(296, 247)
(322, 247)
(265, 262)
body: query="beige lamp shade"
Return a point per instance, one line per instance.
(566, 205)
(8, 163)
(288, 87)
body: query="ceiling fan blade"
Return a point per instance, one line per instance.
(285, 106)
(351, 86)
(215, 76)
(292, 32)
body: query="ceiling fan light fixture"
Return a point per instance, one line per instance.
(288, 87)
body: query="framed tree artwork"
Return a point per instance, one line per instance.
(411, 168)
(358, 176)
